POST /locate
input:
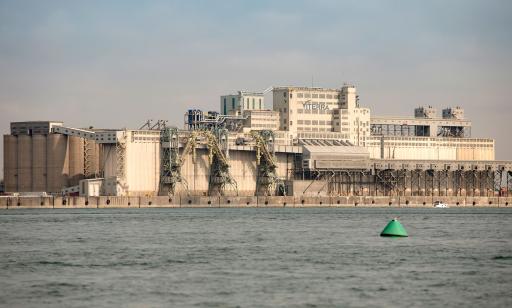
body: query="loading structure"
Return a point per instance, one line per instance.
(218, 158)
(171, 161)
(405, 177)
(267, 181)
(216, 143)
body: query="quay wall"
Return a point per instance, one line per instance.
(245, 201)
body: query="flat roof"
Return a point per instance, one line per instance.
(24, 122)
(400, 118)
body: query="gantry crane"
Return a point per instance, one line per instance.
(267, 179)
(218, 158)
(218, 154)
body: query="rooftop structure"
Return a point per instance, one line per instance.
(33, 127)
(235, 104)
(425, 124)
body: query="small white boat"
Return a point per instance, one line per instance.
(441, 205)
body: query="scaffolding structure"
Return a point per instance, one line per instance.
(89, 170)
(121, 159)
(170, 167)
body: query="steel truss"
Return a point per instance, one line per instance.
(170, 173)
(218, 157)
(121, 159)
(267, 181)
(401, 182)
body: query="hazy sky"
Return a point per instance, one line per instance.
(118, 63)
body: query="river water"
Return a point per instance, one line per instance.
(257, 257)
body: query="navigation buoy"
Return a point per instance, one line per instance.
(394, 228)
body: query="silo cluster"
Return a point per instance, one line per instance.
(38, 160)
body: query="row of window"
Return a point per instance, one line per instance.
(314, 129)
(330, 135)
(314, 122)
(314, 111)
(273, 126)
(146, 139)
(318, 102)
(317, 95)
(247, 103)
(431, 145)
(456, 140)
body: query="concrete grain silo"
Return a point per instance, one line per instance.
(58, 163)
(10, 163)
(24, 163)
(39, 161)
(76, 160)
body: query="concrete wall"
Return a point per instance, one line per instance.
(143, 167)
(429, 149)
(242, 168)
(274, 201)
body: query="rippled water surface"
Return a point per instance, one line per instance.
(255, 257)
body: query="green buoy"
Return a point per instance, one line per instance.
(394, 228)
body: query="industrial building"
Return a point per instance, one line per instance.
(242, 101)
(313, 142)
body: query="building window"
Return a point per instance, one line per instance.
(300, 95)
(232, 103)
(291, 123)
(225, 107)
(253, 104)
(260, 104)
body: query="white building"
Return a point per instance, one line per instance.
(261, 120)
(320, 113)
(238, 103)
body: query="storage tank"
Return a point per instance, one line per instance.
(76, 160)
(24, 163)
(58, 164)
(10, 163)
(39, 163)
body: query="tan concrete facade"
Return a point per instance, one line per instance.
(112, 202)
(36, 163)
(333, 113)
(262, 119)
(431, 148)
